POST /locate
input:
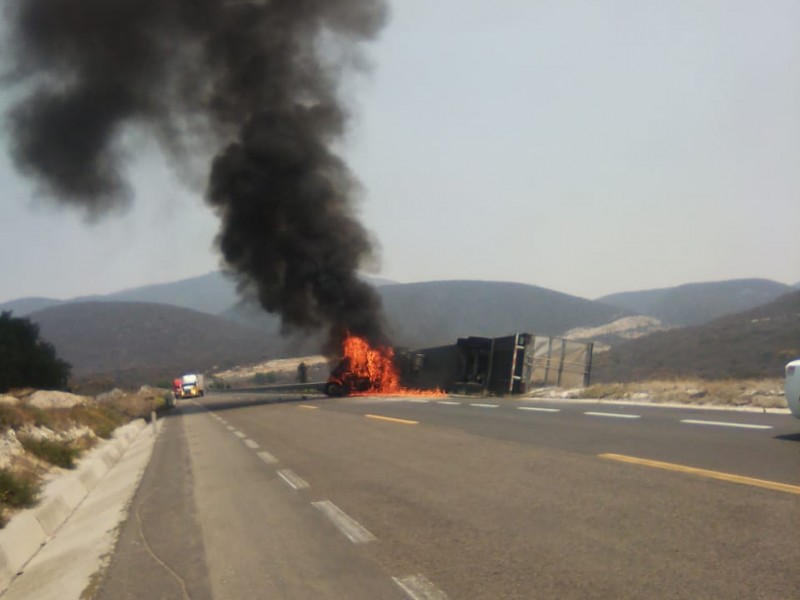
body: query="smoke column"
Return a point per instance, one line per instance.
(253, 84)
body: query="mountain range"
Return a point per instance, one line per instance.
(696, 303)
(200, 323)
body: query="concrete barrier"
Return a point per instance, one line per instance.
(29, 529)
(52, 512)
(90, 472)
(19, 540)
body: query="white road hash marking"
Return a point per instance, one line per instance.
(348, 526)
(267, 457)
(418, 587)
(615, 415)
(725, 424)
(293, 480)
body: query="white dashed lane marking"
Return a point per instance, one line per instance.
(239, 434)
(613, 415)
(267, 457)
(418, 587)
(481, 405)
(539, 409)
(725, 424)
(251, 443)
(293, 480)
(347, 525)
(449, 403)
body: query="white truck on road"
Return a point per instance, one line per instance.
(792, 387)
(192, 386)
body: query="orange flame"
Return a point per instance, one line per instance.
(375, 367)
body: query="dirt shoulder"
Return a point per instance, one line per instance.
(753, 393)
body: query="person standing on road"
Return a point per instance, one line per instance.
(302, 372)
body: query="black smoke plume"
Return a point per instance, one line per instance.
(255, 84)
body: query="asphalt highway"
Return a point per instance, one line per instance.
(254, 496)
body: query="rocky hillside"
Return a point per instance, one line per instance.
(755, 343)
(611, 334)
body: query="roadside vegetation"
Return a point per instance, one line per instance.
(17, 490)
(35, 439)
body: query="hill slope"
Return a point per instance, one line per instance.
(696, 303)
(136, 342)
(212, 293)
(22, 307)
(438, 312)
(755, 343)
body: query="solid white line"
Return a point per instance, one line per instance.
(251, 444)
(538, 409)
(725, 424)
(293, 480)
(418, 587)
(449, 402)
(479, 405)
(616, 415)
(239, 434)
(267, 457)
(349, 527)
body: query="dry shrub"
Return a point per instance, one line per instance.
(762, 393)
(138, 405)
(60, 453)
(101, 419)
(14, 416)
(17, 490)
(605, 390)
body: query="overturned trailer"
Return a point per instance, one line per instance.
(512, 364)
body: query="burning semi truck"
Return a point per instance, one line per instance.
(512, 364)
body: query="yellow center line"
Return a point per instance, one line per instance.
(308, 406)
(762, 483)
(392, 419)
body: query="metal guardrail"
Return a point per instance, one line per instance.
(295, 388)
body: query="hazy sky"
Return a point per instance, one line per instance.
(589, 147)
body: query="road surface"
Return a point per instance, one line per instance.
(251, 496)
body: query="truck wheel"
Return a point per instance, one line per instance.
(334, 389)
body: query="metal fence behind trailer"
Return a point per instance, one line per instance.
(552, 361)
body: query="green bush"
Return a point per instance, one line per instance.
(26, 360)
(18, 491)
(58, 453)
